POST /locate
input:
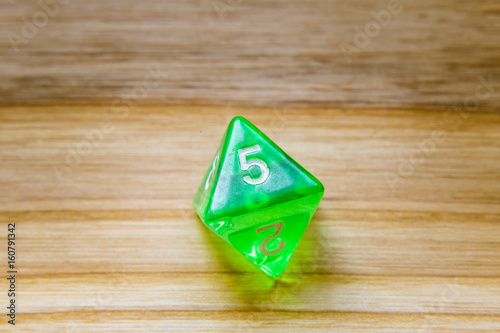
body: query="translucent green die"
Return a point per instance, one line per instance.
(256, 197)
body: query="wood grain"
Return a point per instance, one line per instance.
(429, 55)
(110, 113)
(111, 244)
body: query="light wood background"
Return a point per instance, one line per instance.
(406, 239)
(259, 53)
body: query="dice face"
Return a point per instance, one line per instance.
(256, 197)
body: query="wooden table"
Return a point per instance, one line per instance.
(111, 113)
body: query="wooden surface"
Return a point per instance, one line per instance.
(256, 52)
(406, 239)
(113, 245)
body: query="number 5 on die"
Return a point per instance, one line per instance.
(246, 164)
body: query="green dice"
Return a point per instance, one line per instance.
(256, 197)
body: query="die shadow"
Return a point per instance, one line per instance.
(257, 291)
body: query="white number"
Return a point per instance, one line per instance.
(263, 246)
(209, 178)
(245, 165)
